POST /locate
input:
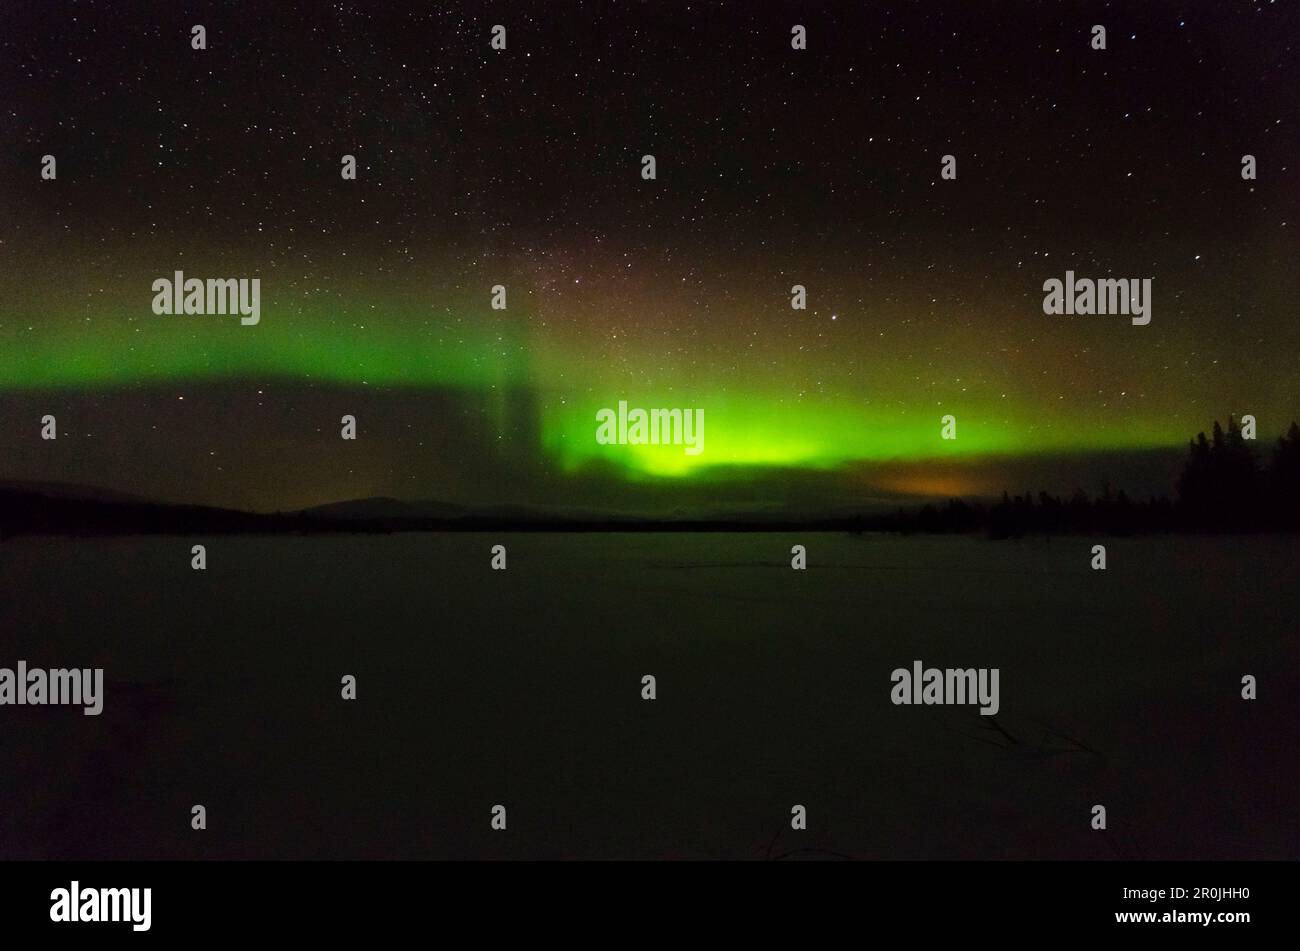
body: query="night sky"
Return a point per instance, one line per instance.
(522, 167)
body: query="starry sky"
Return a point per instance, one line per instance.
(522, 167)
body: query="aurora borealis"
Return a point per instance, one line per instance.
(520, 167)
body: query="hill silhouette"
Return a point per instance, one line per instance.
(1224, 487)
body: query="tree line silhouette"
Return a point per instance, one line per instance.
(1224, 487)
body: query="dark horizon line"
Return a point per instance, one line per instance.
(36, 512)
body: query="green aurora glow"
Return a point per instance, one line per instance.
(763, 422)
